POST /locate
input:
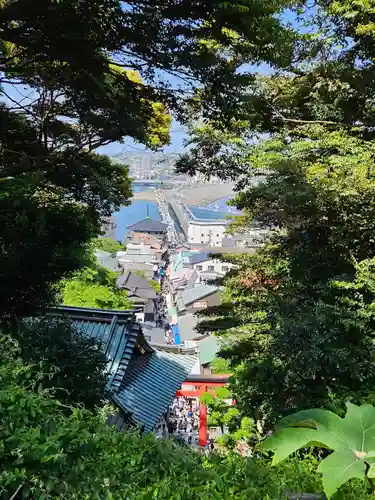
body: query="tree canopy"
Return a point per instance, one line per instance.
(108, 245)
(75, 76)
(298, 314)
(94, 286)
(69, 365)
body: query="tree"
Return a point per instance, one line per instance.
(66, 95)
(221, 414)
(297, 315)
(108, 245)
(50, 216)
(74, 366)
(94, 286)
(47, 451)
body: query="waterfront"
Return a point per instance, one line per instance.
(135, 212)
(140, 209)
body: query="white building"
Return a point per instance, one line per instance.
(210, 233)
(204, 263)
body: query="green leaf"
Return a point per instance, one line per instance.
(287, 441)
(371, 472)
(352, 438)
(338, 468)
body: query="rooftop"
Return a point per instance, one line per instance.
(198, 292)
(206, 214)
(208, 348)
(136, 285)
(148, 225)
(199, 257)
(143, 380)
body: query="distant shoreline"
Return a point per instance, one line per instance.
(195, 195)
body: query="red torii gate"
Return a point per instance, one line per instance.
(202, 384)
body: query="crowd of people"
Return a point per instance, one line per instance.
(161, 308)
(182, 421)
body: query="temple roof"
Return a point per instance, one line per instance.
(143, 381)
(148, 226)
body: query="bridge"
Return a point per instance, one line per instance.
(178, 207)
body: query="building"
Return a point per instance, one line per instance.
(106, 260)
(147, 226)
(141, 293)
(208, 233)
(142, 380)
(207, 267)
(146, 268)
(197, 298)
(147, 239)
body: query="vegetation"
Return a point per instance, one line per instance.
(108, 245)
(49, 453)
(297, 316)
(234, 428)
(351, 438)
(95, 287)
(155, 284)
(74, 368)
(65, 97)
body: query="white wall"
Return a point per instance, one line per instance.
(206, 233)
(219, 267)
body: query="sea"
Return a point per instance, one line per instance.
(139, 210)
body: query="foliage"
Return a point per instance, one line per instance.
(108, 77)
(297, 316)
(221, 414)
(48, 217)
(352, 438)
(155, 284)
(74, 365)
(108, 245)
(94, 286)
(220, 365)
(48, 452)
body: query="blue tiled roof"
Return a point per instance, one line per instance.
(142, 381)
(150, 383)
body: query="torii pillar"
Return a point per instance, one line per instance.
(208, 384)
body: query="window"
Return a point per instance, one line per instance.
(218, 235)
(225, 269)
(211, 269)
(202, 235)
(199, 268)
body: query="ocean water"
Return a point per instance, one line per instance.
(139, 210)
(135, 212)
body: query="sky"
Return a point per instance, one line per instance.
(178, 133)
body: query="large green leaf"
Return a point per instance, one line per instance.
(338, 468)
(352, 438)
